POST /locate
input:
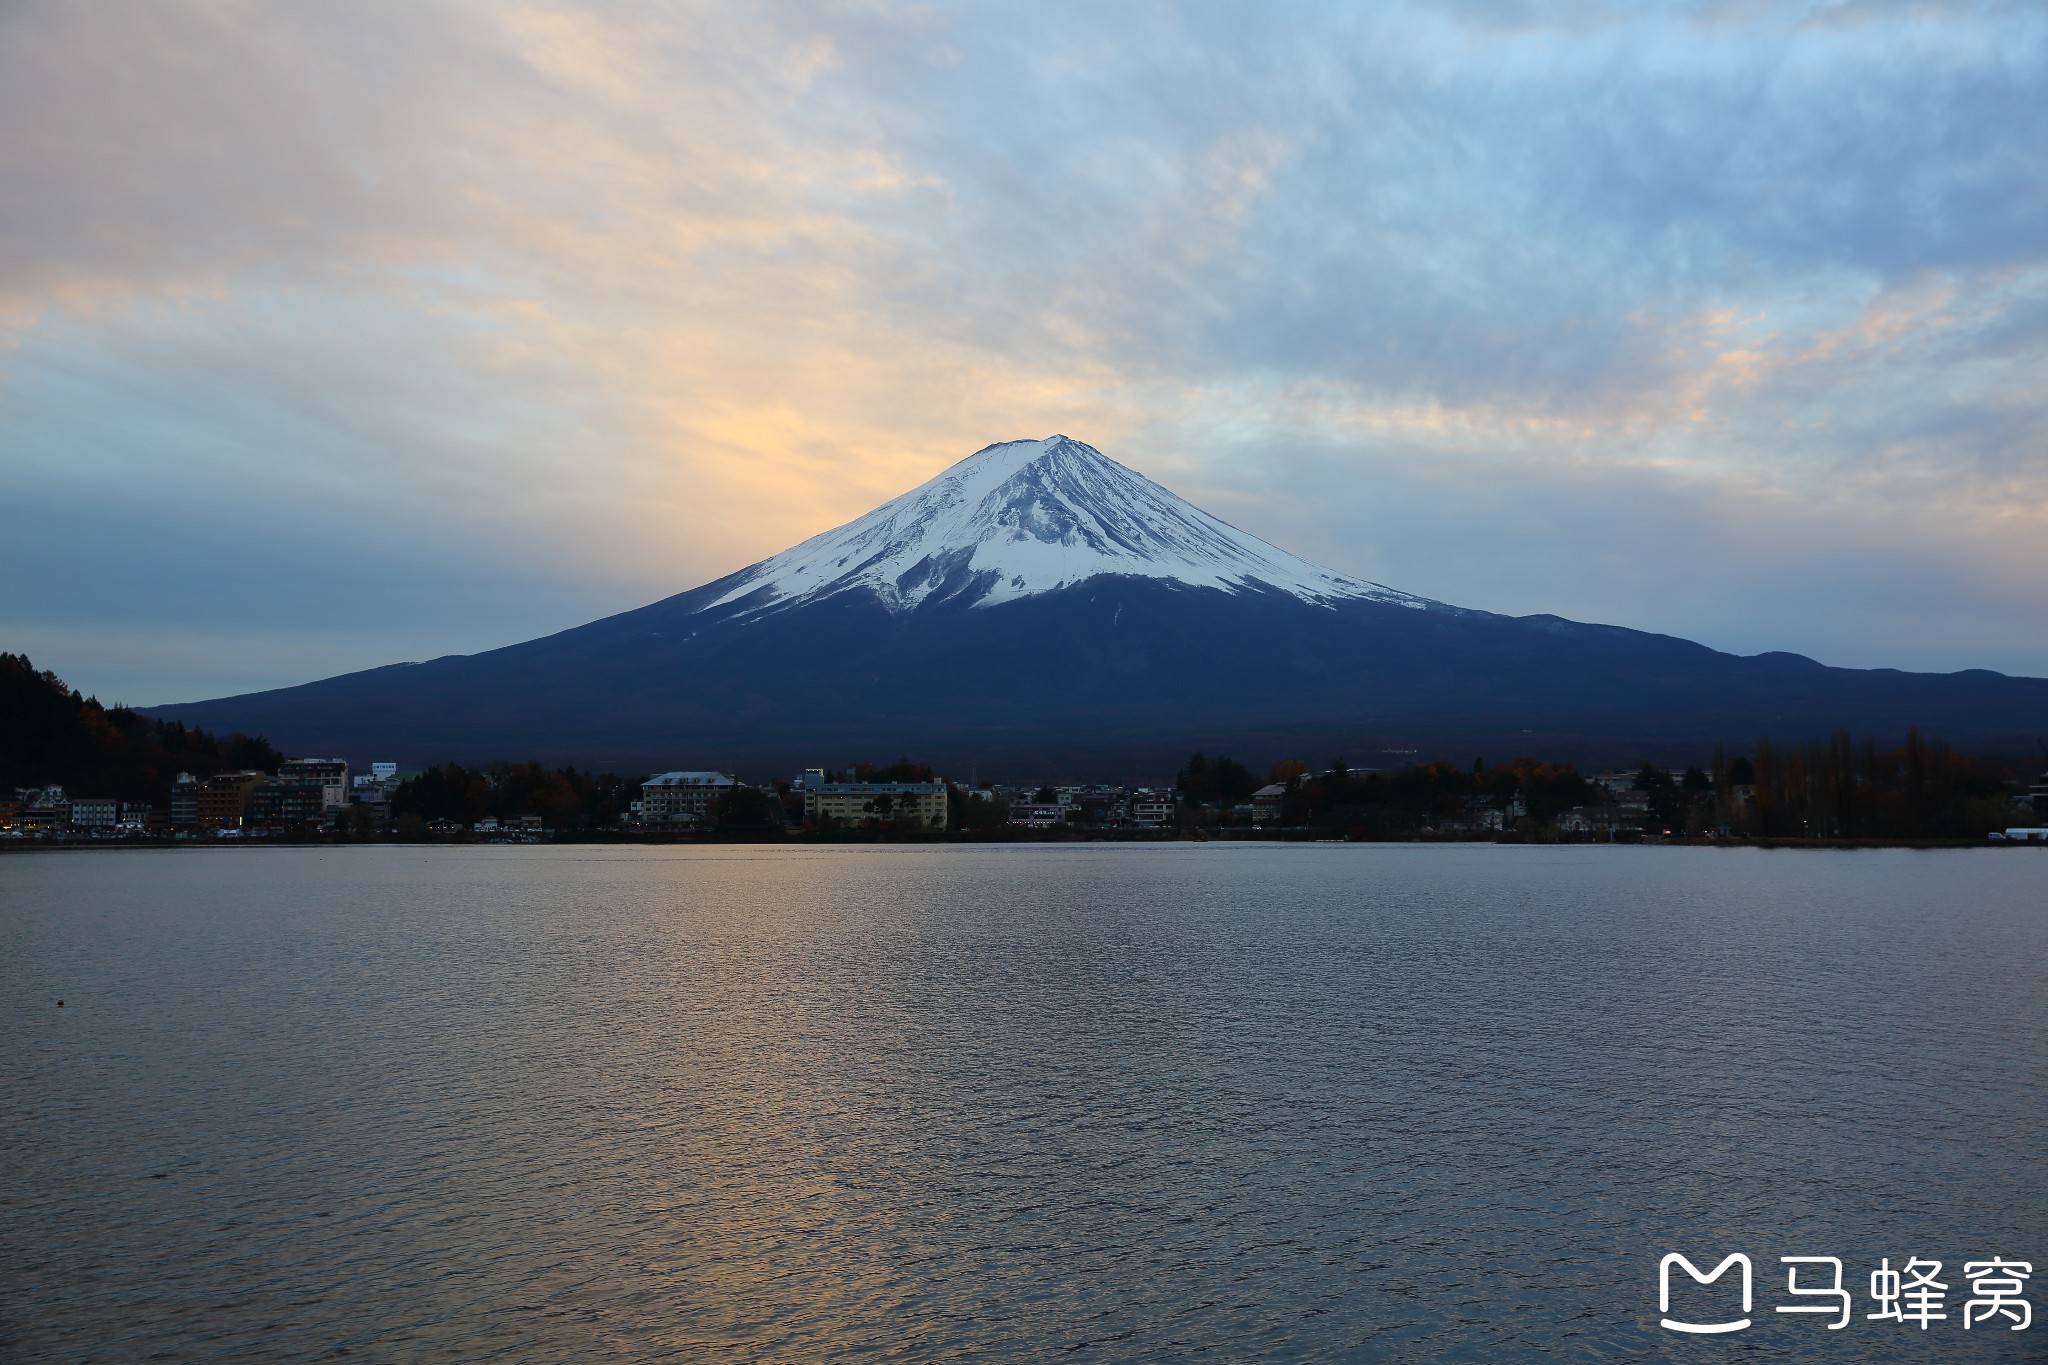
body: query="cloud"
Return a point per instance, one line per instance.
(618, 300)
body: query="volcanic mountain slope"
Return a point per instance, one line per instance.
(1039, 607)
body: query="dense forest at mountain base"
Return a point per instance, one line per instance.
(52, 734)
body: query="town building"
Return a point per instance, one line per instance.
(1150, 810)
(1037, 815)
(375, 787)
(222, 801)
(329, 774)
(41, 810)
(679, 798)
(1479, 816)
(185, 802)
(1601, 821)
(276, 803)
(1266, 802)
(1094, 805)
(922, 803)
(95, 813)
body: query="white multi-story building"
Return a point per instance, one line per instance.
(679, 798)
(857, 802)
(91, 812)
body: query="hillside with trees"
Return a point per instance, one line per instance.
(52, 733)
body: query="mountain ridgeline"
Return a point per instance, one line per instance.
(1040, 607)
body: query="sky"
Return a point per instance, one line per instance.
(336, 335)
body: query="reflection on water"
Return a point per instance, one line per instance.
(1138, 1100)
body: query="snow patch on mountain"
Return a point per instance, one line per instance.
(1027, 517)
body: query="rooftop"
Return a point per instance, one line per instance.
(689, 779)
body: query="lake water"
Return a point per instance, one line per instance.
(1105, 1101)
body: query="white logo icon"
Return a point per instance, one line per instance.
(1664, 1292)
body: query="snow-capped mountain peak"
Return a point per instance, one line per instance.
(1026, 517)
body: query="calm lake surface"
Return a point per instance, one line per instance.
(1112, 1101)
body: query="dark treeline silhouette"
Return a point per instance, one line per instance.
(51, 733)
(1219, 780)
(1370, 804)
(564, 798)
(1838, 788)
(1400, 801)
(902, 770)
(1841, 788)
(746, 810)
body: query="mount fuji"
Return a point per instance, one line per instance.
(1040, 608)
